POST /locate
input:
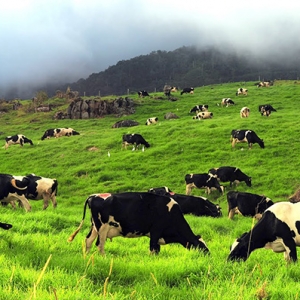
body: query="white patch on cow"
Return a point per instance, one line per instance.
(171, 204)
(234, 245)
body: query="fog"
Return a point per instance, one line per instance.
(45, 42)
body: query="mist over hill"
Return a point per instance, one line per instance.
(183, 67)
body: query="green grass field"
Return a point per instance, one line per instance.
(37, 262)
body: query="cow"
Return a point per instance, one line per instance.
(5, 226)
(137, 214)
(143, 93)
(245, 112)
(227, 102)
(231, 174)
(246, 204)
(202, 181)
(168, 89)
(198, 108)
(246, 136)
(41, 188)
(135, 139)
(59, 132)
(11, 188)
(241, 91)
(278, 230)
(198, 206)
(203, 115)
(295, 197)
(189, 90)
(152, 120)
(266, 109)
(264, 83)
(17, 139)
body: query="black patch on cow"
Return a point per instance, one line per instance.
(114, 224)
(297, 224)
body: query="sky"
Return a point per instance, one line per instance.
(64, 40)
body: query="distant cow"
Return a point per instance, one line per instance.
(245, 112)
(246, 136)
(59, 132)
(278, 230)
(143, 93)
(17, 139)
(264, 84)
(266, 109)
(246, 204)
(136, 214)
(198, 206)
(227, 102)
(168, 89)
(41, 188)
(187, 91)
(151, 121)
(5, 226)
(241, 91)
(134, 139)
(203, 115)
(12, 189)
(202, 181)
(231, 174)
(198, 108)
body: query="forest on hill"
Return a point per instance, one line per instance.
(183, 67)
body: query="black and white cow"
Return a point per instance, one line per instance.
(152, 120)
(5, 226)
(203, 115)
(231, 174)
(278, 230)
(41, 188)
(12, 189)
(137, 214)
(246, 204)
(241, 91)
(168, 89)
(227, 102)
(59, 132)
(189, 90)
(198, 108)
(198, 206)
(264, 83)
(134, 139)
(143, 93)
(266, 109)
(17, 139)
(202, 181)
(246, 136)
(245, 112)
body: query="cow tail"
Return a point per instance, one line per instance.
(14, 184)
(72, 236)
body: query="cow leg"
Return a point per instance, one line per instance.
(102, 233)
(24, 202)
(290, 253)
(188, 188)
(91, 236)
(233, 143)
(53, 199)
(231, 213)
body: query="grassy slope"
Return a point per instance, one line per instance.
(177, 147)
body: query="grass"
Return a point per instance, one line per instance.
(36, 260)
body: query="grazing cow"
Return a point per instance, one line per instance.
(41, 188)
(151, 121)
(246, 204)
(135, 214)
(5, 226)
(266, 109)
(135, 139)
(241, 91)
(264, 84)
(187, 91)
(198, 108)
(278, 230)
(203, 115)
(168, 89)
(227, 102)
(58, 132)
(198, 206)
(231, 174)
(245, 112)
(246, 136)
(202, 181)
(17, 139)
(295, 197)
(143, 93)
(11, 188)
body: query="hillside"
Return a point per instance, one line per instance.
(82, 166)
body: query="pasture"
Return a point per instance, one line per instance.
(37, 262)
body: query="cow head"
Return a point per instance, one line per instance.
(239, 250)
(212, 209)
(248, 181)
(261, 143)
(162, 191)
(295, 197)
